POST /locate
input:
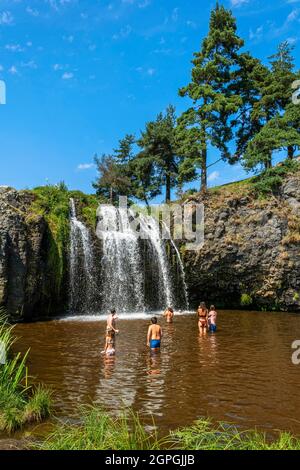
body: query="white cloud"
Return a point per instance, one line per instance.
(69, 39)
(151, 72)
(67, 76)
(238, 3)
(85, 166)
(213, 176)
(175, 14)
(14, 48)
(257, 34)
(13, 70)
(30, 64)
(123, 33)
(32, 11)
(6, 18)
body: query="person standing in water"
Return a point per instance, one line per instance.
(109, 349)
(212, 319)
(202, 314)
(154, 335)
(169, 315)
(111, 323)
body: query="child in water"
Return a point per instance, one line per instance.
(109, 349)
(212, 319)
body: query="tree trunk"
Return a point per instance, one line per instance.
(203, 170)
(268, 162)
(291, 151)
(168, 188)
(203, 160)
(147, 205)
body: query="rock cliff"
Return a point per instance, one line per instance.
(251, 254)
(250, 258)
(26, 277)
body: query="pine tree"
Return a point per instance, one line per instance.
(112, 181)
(158, 143)
(207, 122)
(273, 115)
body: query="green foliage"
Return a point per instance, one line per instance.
(215, 102)
(204, 435)
(100, 431)
(270, 180)
(158, 144)
(246, 300)
(20, 403)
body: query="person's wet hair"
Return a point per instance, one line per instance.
(113, 311)
(212, 307)
(203, 305)
(171, 310)
(154, 320)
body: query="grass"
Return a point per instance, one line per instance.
(204, 435)
(20, 403)
(99, 431)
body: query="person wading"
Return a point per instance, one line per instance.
(154, 335)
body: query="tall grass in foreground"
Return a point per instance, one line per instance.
(100, 431)
(204, 435)
(20, 404)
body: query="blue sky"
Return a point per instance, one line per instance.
(80, 74)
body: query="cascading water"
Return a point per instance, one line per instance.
(135, 273)
(81, 265)
(121, 264)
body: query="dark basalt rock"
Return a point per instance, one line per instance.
(252, 248)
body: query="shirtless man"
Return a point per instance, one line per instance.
(169, 315)
(111, 324)
(154, 335)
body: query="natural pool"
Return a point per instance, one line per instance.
(243, 374)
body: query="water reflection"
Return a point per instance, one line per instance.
(242, 374)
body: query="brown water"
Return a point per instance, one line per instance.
(243, 374)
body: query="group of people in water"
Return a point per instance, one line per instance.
(207, 321)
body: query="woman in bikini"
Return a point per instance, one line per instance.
(202, 314)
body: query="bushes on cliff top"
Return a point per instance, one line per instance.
(270, 180)
(20, 403)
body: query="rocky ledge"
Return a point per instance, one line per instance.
(251, 254)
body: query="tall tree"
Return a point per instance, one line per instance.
(158, 143)
(112, 181)
(272, 131)
(124, 153)
(207, 122)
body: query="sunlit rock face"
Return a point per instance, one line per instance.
(251, 253)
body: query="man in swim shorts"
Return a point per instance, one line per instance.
(154, 335)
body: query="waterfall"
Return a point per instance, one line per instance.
(132, 272)
(136, 273)
(81, 264)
